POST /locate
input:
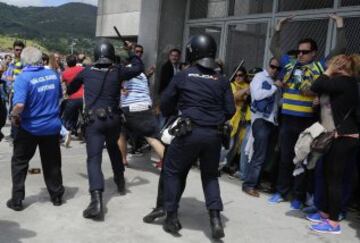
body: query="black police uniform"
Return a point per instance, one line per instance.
(206, 98)
(100, 130)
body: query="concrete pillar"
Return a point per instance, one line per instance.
(172, 24)
(149, 29)
(161, 28)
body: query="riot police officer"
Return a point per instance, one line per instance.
(102, 85)
(205, 101)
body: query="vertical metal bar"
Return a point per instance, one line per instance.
(271, 23)
(267, 53)
(187, 15)
(223, 41)
(224, 33)
(186, 28)
(185, 38)
(227, 8)
(329, 38)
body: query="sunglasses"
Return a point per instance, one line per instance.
(18, 49)
(240, 75)
(275, 67)
(304, 52)
(138, 51)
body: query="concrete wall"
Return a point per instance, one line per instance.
(123, 14)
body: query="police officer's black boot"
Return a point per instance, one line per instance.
(95, 209)
(119, 180)
(157, 212)
(172, 224)
(216, 225)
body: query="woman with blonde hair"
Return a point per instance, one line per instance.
(339, 84)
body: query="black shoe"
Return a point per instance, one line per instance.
(57, 201)
(15, 204)
(216, 225)
(95, 208)
(172, 224)
(156, 213)
(119, 180)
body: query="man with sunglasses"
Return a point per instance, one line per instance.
(263, 91)
(299, 72)
(139, 51)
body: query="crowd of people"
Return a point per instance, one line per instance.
(275, 126)
(278, 115)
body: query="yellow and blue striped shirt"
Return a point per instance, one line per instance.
(299, 78)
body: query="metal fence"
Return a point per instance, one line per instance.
(243, 28)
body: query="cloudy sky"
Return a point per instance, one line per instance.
(45, 2)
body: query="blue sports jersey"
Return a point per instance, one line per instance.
(39, 90)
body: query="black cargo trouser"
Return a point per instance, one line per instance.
(97, 133)
(25, 145)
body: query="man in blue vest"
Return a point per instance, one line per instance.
(37, 92)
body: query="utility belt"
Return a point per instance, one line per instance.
(100, 113)
(185, 126)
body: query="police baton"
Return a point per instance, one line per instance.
(120, 37)
(237, 69)
(118, 34)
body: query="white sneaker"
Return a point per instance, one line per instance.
(67, 140)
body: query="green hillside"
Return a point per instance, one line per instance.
(6, 43)
(54, 28)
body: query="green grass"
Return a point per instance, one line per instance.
(6, 43)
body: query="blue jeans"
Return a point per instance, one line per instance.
(261, 130)
(244, 159)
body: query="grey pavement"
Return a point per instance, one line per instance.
(246, 219)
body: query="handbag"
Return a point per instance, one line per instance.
(322, 143)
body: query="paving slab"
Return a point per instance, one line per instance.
(246, 219)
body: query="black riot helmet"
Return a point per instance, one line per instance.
(201, 49)
(104, 53)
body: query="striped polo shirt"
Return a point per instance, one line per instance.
(138, 91)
